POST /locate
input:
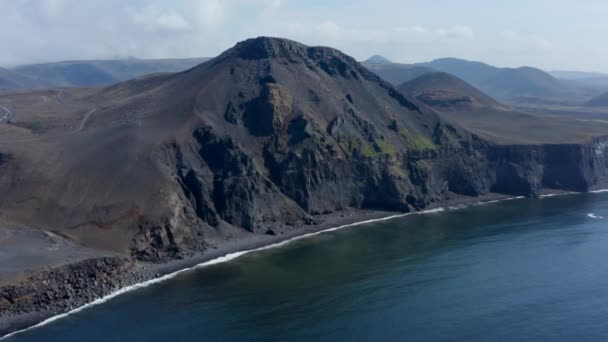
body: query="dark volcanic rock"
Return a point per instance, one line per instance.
(257, 141)
(62, 288)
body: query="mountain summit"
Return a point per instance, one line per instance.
(377, 59)
(262, 140)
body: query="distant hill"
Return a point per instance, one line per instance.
(589, 84)
(599, 101)
(475, 73)
(503, 83)
(576, 75)
(447, 92)
(397, 73)
(102, 72)
(13, 80)
(377, 59)
(460, 102)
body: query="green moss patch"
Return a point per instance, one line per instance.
(384, 147)
(417, 142)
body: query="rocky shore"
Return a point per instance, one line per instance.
(31, 300)
(28, 301)
(270, 140)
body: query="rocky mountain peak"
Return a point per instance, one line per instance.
(277, 48)
(268, 47)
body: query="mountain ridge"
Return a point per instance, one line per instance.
(503, 83)
(265, 141)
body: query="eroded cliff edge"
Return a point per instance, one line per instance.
(260, 141)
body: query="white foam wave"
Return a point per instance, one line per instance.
(219, 260)
(232, 256)
(500, 200)
(594, 216)
(599, 191)
(431, 211)
(558, 194)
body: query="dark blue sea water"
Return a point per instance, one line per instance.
(523, 270)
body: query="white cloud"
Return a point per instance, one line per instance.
(53, 8)
(421, 34)
(155, 19)
(331, 33)
(456, 32)
(520, 41)
(208, 13)
(406, 31)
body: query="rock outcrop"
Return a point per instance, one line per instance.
(261, 139)
(65, 287)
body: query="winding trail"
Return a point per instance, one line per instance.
(7, 114)
(86, 117)
(79, 129)
(59, 96)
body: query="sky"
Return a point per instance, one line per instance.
(550, 34)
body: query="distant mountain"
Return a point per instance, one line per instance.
(503, 83)
(460, 102)
(576, 75)
(523, 84)
(102, 72)
(395, 73)
(599, 101)
(589, 84)
(472, 72)
(377, 59)
(13, 80)
(444, 91)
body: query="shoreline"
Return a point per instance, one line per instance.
(150, 274)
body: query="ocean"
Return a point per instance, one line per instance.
(519, 270)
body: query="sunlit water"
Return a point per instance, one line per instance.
(517, 270)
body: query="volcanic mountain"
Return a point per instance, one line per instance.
(447, 92)
(260, 140)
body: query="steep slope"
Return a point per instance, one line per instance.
(259, 140)
(599, 101)
(447, 92)
(102, 72)
(267, 134)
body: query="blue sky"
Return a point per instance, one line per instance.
(548, 34)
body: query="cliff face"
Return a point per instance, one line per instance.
(259, 141)
(525, 169)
